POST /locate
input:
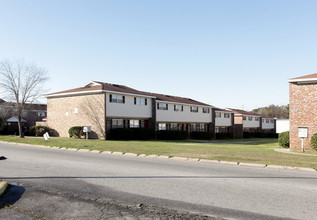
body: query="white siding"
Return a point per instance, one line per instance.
(251, 124)
(182, 116)
(282, 125)
(222, 121)
(268, 125)
(128, 109)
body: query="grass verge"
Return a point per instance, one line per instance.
(247, 150)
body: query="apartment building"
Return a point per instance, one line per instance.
(106, 106)
(224, 121)
(303, 109)
(246, 121)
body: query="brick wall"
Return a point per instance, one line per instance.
(81, 110)
(303, 113)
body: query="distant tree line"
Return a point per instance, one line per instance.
(276, 111)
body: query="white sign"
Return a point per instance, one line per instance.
(302, 132)
(86, 129)
(46, 136)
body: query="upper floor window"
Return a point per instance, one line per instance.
(267, 120)
(257, 118)
(134, 123)
(250, 118)
(162, 106)
(194, 109)
(140, 101)
(226, 115)
(244, 118)
(117, 98)
(218, 114)
(206, 110)
(178, 108)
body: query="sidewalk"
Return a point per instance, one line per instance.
(287, 151)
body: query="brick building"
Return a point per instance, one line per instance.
(303, 109)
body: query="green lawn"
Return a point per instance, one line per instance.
(247, 150)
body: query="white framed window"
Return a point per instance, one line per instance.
(250, 118)
(178, 108)
(194, 109)
(75, 110)
(267, 120)
(134, 123)
(66, 113)
(226, 115)
(206, 110)
(140, 101)
(218, 114)
(174, 126)
(117, 123)
(162, 126)
(256, 118)
(244, 118)
(162, 106)
(116, 98)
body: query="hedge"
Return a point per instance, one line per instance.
(38, 130)
(283, 139)
(201, 135)
(171, 135)
(224, 135)
(313, 142)
(76, 132)
(121, 134)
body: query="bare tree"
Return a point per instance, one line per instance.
(22, 83)
(93, 108)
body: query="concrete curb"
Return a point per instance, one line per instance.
(3, 187)
(229, 163)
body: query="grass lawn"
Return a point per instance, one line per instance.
(246, 150)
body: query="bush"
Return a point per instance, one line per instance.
(38, 130)
(172, 135)
(121, 134)
(313, 142)
(223, 135)
(76, 132)
(143, 133)
(201, 135)
(283, 139)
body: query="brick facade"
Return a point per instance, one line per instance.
(80, 110)
(303, 112)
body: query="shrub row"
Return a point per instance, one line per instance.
(200, 135)
(172, 135)
(76, 132)
(259, 135)
(132, 134)
(37, 130)
(224, 135)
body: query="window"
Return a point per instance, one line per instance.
(218, 114)
(117, 98)
(221, 130)
(174, 126)
(206, 110)
(250, 118)
(201, 127)
(244, 118)
(162, 106)
(198, 127)
(134, 123)
(271, 121)
(257, 118)
(117, 123)
(41, 114)
(226, 115)
(161, 126)
(178, 108)
(75, 110)
(193, 109)
(140, 101)
(267, 120)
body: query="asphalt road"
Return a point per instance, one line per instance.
(184, 187)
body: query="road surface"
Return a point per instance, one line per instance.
(186, 188)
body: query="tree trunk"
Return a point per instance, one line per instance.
(20, 126)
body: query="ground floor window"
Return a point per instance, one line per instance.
(174, 126)
(198, 127)
(134, 123)
(117, 123)
(221, 129)
(161, 126)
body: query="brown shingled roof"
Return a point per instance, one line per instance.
(242, 112)
(222, 110)
(310, 76)
(125, 89)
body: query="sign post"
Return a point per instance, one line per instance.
(303, 133)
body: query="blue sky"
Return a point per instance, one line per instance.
(236, 54)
